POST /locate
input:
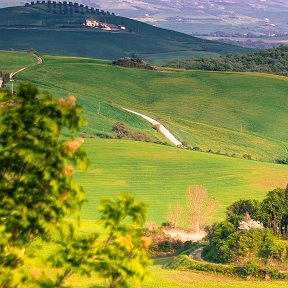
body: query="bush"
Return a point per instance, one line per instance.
(277, 250)
(133, 62)
(122, 131)
(251, 269)
(165, 246)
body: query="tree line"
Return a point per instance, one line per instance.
(66, 7)
(273, 60)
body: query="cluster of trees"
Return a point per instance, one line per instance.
(252, 229)
(133, 62)
(273, 60)
(66, 7)
(122, 131)
(38, 192)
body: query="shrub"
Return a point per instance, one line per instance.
(277, 250)
(251, 269)
(165, 246)
(122, 131)
(133, 62)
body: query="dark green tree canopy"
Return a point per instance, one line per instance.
(236, 211)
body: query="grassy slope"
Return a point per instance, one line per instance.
(159, 175)
(151, 43)
(11, 61)
(205, 109)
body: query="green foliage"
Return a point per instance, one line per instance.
(273, 60)
(277, 250)
(236, 211)
(123, 256)
(36, 182)
(122, 131)
(227, 244)
(133, 62)
(120, 256)
(275, 211)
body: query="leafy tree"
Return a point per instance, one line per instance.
(200, 207)
(36, 181)
(236, 211)
(275, 211)
(228, 244)
(124, 256)
(121, 255)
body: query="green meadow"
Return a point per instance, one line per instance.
(228, 113)
(11, 61)
(161, 278)
(160, 175)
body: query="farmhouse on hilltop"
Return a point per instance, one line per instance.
(92, 23)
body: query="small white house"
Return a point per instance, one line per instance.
(92, 23)
(122, 27)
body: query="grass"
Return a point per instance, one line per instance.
(159, 176)
(161, 278)
(64, 35)
(11, 61)
(233, 113)
(158, 276)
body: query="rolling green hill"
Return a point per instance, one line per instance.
(63, 34)
(228, 113)
(159, 175)
(203, 108)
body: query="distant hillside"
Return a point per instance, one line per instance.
(273, 60)
(58, 30)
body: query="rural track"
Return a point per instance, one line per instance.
(39, 61)
(18, 71)
(160, 127)
(197, 255)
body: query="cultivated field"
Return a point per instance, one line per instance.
(161, 278)
(209, 110)
(11, 61)
(159, 175)
(233, 113)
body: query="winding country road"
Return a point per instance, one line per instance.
(161, 128)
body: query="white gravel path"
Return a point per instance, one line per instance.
(161, 128)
